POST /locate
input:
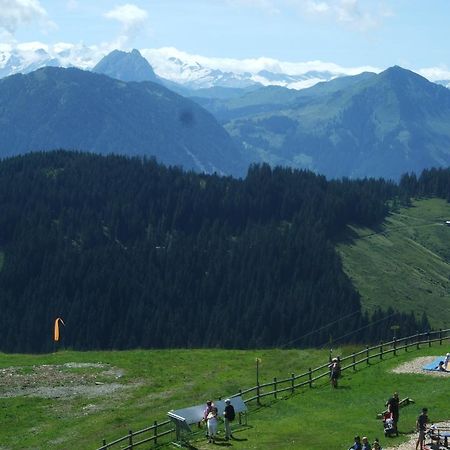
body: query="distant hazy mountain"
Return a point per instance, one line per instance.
(126, 66)
(73, 109)
(26, 58)
(181, 75)
(177, 70)
(368, 125)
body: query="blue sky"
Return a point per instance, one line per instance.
(410, 33)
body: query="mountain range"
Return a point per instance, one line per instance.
(167, 64)
(183, 69)
(367, 125)
(380, 125)
(54, 108)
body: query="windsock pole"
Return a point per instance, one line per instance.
(56, 334)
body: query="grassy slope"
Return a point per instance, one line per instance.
(405, 264)
(311, 419)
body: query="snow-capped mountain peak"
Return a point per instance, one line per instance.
(191, 71)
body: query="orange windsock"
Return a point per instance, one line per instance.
(56, 333)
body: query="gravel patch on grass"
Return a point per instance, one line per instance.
(416, 366)
(61, 381)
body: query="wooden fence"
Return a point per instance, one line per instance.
(159, 430)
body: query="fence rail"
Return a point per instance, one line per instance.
(161, 429)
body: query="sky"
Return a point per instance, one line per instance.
(350, 33)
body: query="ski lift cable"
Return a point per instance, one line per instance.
(319, 329)
(364, 327)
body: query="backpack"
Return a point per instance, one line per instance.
(230, 414)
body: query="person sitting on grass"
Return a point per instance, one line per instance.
(441, 367)
(365, 444)
(447, 361)
(376, 445)
(357, 444)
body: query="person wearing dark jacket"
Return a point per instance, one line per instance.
(421, 426)
(393, 405)
(357, 445)
(229, 415)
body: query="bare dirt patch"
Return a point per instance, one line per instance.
(64, 380)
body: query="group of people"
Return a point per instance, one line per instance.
(364, 444)
(210, 417)
(393, 407)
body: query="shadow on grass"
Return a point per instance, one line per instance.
(197, 440)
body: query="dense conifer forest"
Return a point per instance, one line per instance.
(134, 254)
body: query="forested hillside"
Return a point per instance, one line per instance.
(133, 254)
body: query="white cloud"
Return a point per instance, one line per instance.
(165, 60)
(132, 19)
(15, 13)
(435, 73)
(360, 15)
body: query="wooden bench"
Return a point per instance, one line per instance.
(184, 418)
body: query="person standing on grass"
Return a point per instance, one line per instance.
(212, 424)
(206, 411)
(334, 372)
(421, 426)
(229, 414)
(393, 405)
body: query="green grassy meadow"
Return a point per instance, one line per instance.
(157, 381)
(405, 263)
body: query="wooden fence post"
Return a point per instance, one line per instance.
(429, 339)
(406, 345)
(381, 350)
(275, 387)
(130, 439)
(155, 432)
(310, 377)
(394, 343)
(440, 336)
(104, 444)
(354, 361)
(417, 340)
(292, 382)
(240, 415)
(367, 354)
(257, 394)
